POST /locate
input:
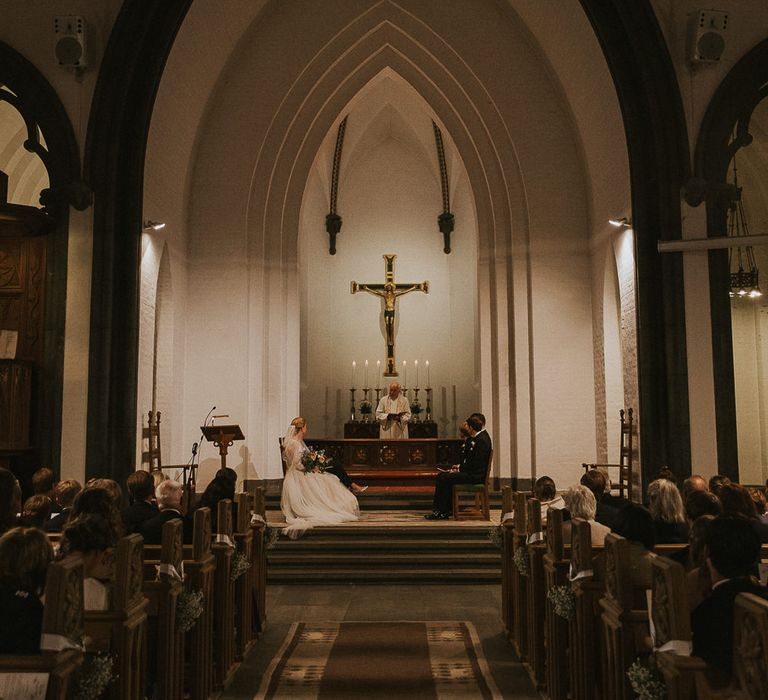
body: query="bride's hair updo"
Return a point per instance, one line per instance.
(299, 422)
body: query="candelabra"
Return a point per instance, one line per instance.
(378, 395)
(429, 404)
(365, 415)
(417, 413)
(352, 403)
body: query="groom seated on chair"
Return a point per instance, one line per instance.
(472, 469)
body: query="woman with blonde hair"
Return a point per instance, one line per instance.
(311, 496)
(666, 506)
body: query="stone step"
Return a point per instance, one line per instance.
(371, 544)
(388, 500)
(387, 560)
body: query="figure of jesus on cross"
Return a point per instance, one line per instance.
(389, 292)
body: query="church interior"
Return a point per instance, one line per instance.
(218, 216)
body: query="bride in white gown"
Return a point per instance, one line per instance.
(313, 499)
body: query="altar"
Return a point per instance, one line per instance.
(375, 462)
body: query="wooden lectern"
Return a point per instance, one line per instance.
(223, 437)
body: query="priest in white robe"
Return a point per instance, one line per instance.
(393, 414)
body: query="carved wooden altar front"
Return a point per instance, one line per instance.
(391, 462)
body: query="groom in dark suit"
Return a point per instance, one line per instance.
(472, 469)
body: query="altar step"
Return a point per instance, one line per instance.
(392, 498)
(392, 553)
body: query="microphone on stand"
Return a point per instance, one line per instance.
(195, 445)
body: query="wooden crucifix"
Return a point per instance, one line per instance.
(389, 291)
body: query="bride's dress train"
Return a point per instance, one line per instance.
(309, 500)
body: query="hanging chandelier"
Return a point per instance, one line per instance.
(741, 259)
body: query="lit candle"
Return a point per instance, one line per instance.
(416, 362)
(429, 384)
(405, 374)
(365, 385)
(353, 373)
(378, 374)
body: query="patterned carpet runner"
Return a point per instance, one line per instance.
(377, 660)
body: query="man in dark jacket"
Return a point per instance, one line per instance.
(472, 470)
(141, 491)
(733, 550)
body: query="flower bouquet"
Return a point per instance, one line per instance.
(646, 679)
(366, 409)
(563, 601)
(315, 461)
(416, 408)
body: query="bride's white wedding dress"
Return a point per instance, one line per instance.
(309, 500)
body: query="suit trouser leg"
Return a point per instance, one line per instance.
(444, 489)
(338, 471)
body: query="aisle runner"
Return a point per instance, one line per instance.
(425, 660)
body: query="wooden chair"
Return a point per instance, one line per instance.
(556, 627)
(671, 619)
(121, 630)
(750, 654)
(62, 621)
(536, 598)
(482, 508)
(626, 456)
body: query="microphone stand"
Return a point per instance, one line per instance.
(194, 461)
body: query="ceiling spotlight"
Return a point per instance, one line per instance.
(623, 222)
(154, 225)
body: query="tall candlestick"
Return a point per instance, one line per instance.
(405, 374)
(366, 374)
(429, 384)
(378, 374)
(353, 373)
(416, 362)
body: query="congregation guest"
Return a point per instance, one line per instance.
(732, 552)
(472, 470)
(761, 503)
(97, 501)
(217, 490)
(141, 493)
(698, 577)
(111, 487)
(596, 482)
(43, 484)
(64, 494)
(716, 482)
(737, 501)
(699, 503)
(545, 490)
(666, 506)
(10, 499)
(24, 557)
(581, 503)
(90, 537)
(635, 524)
(36, 511)
(693, 483)
(169, 495)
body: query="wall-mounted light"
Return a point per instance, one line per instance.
(623, 222)
(154, 225)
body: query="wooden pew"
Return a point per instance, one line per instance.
(244, 584)
(624, 626)
(536, 594)
(671, 618)
(259, 568)
(583, 630)
(750, 654)
(199, 571)
(224, 596)
(62, 622)
(519, 581)
(121, 630)
(162, 588)
(507, 544)
(556, 627)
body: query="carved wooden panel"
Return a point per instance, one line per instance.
(671, 616)
(554, 534)
(22, 293)
(750, 653)
(15, 403)
(201, 536)
(416, 456)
